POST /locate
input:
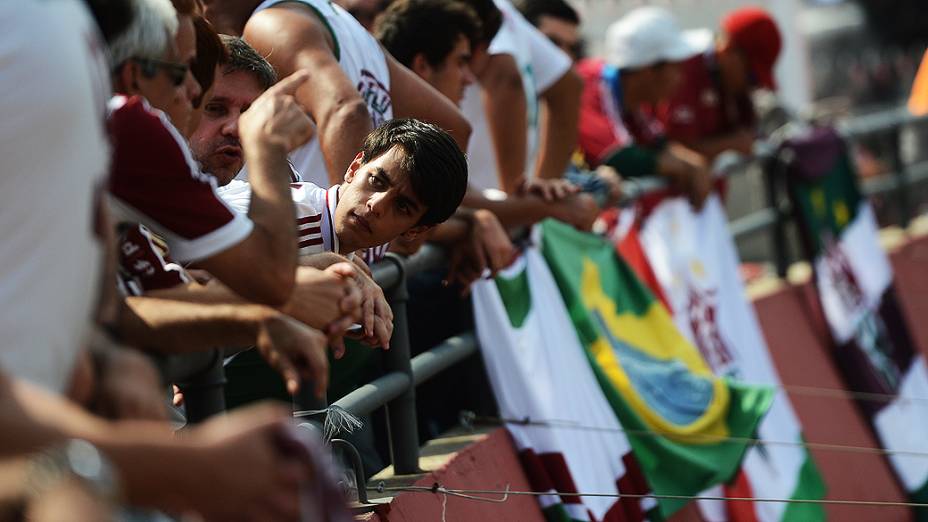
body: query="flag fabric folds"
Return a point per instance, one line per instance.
(539, 373)
(679, 417)
(694, 260)
(853, 279)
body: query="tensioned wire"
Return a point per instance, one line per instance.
(505, 493)
(834, 393)
(468, 417)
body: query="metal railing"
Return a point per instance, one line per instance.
(395, 389)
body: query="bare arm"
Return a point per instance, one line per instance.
(239, 455)
(507, 117)
(173, 325)
(414, 98)
(740, 140)
(519, 210)
(561, 115)
(274, 125)
(293, 38)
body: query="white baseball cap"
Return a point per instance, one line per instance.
(648, 35)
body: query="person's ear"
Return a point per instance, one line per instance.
(125, 78)
(420, 65)
(353, 168)
(413, 233)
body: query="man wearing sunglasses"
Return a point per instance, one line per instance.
(155, 181)
(712, 110)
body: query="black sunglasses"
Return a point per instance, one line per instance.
(177, 72)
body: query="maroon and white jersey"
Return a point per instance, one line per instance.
(155, 181)
(315, 216)
(145, 263)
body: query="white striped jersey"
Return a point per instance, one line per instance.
(315, 216)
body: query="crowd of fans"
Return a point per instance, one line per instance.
(183, 176)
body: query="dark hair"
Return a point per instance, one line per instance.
(186, 7)
(533, 10)
(210, 52)
(112, 16)
(491, 18)
(436, 166)
(242, 57)
(430, 27)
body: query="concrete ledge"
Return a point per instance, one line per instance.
(486, 459)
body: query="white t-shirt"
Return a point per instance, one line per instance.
(315, 212)
(541, 64)
(363, 62)
(315, 216)
(54, 151)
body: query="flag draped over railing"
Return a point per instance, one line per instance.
(695, 264)
(539, 373)
(854, 284)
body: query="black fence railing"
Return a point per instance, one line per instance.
(395, 388)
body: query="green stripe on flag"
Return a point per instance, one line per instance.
(557, 513)
(516, 295)
(810, 487)
(920, 496)
(829, 203)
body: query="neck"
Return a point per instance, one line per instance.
(634, 92)
(344, 248)
(231, 17)
(732, 70)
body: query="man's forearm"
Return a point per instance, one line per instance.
(146, 455)
(514, 211)
(739, 141)
(179, 325)
(271, 208)
(341, 136)
(455, 229)
(506, 111)
(559, 124)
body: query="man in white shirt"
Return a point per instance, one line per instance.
(355, 86)
(525, 105)
(54, 149)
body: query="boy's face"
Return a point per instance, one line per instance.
(376, 203)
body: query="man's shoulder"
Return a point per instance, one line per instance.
(136, 125)
(128, 113)
(310, 195)
(697, 78)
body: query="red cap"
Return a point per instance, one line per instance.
(753, 31)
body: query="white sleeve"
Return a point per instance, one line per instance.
(237, 194)
(308, 198)
(549, 63)
(505, 41)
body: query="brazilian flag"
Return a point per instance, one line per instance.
(679, 418)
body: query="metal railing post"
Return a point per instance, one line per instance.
(401, 412)
(899, 171)
(204, 393)
(774, 174)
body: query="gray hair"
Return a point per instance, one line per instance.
(243, 57)
(151, 34)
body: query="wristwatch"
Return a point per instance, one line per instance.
(75, 459)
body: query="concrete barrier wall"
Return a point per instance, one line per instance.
(490, 463)
(797, 335)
